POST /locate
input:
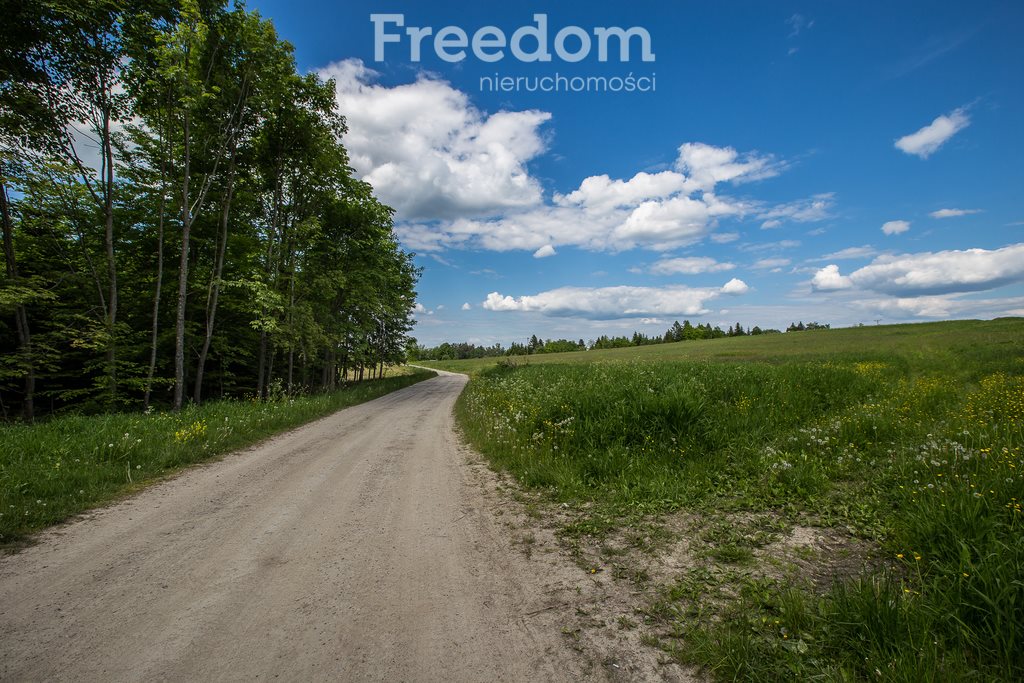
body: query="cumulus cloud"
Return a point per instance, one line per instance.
(645, 211)
(459, 177)
(724, 237)
(601, 193)
(659, 211)
(931, 273)
(895, 227)
(429, 152)
(828, 279)
(929, 139)
(610, 303)
(689, 265)
(466, 306)
(735, 286)
(545, 251)
(953, 213)
(706, 165)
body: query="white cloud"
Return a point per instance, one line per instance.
(735, 286)
(931, 273)
(724, 237)
(459, 177)
(689, 265)
(651, 211)
(950, 306)
(769, 246)
(610, 303)
(706, 165)
(816, 208)
(828, 279)
(466, 306)
(602, 193)
(866, 251)
(419, 308)
(766, 263)
(590, 219)
(429, 152)
(929, 139)
(895, 227)
(545, 251)
(953, 213)
(678, 221)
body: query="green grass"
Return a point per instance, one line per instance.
(55, 469)
(923, 345)
(909, 436)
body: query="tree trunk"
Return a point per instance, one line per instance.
(20, 314)
(108, 238)
(271, 355)
(186, 227)
(159, 274)
(213, 293)
(261, 375)
(291, 368)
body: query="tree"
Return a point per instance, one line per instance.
(304, 279)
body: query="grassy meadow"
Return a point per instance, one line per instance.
(52, 470)
(906, 439)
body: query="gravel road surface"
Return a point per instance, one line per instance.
(356, 548)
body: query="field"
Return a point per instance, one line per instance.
(55, 469)
(897, 448)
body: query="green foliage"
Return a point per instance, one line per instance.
(225, 196)
(52, 470)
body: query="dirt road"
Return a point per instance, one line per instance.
(354, 548)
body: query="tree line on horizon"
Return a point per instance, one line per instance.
(179, 217)
(687, 331)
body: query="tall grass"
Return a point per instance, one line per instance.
(922, 457)
(52, 470)
(657, 436)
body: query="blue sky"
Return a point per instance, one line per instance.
(841, 162)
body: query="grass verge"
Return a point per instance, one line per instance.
(53, 470)
(917, 454)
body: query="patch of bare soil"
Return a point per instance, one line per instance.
(624, 594)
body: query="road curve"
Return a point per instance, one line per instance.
(354, 548)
